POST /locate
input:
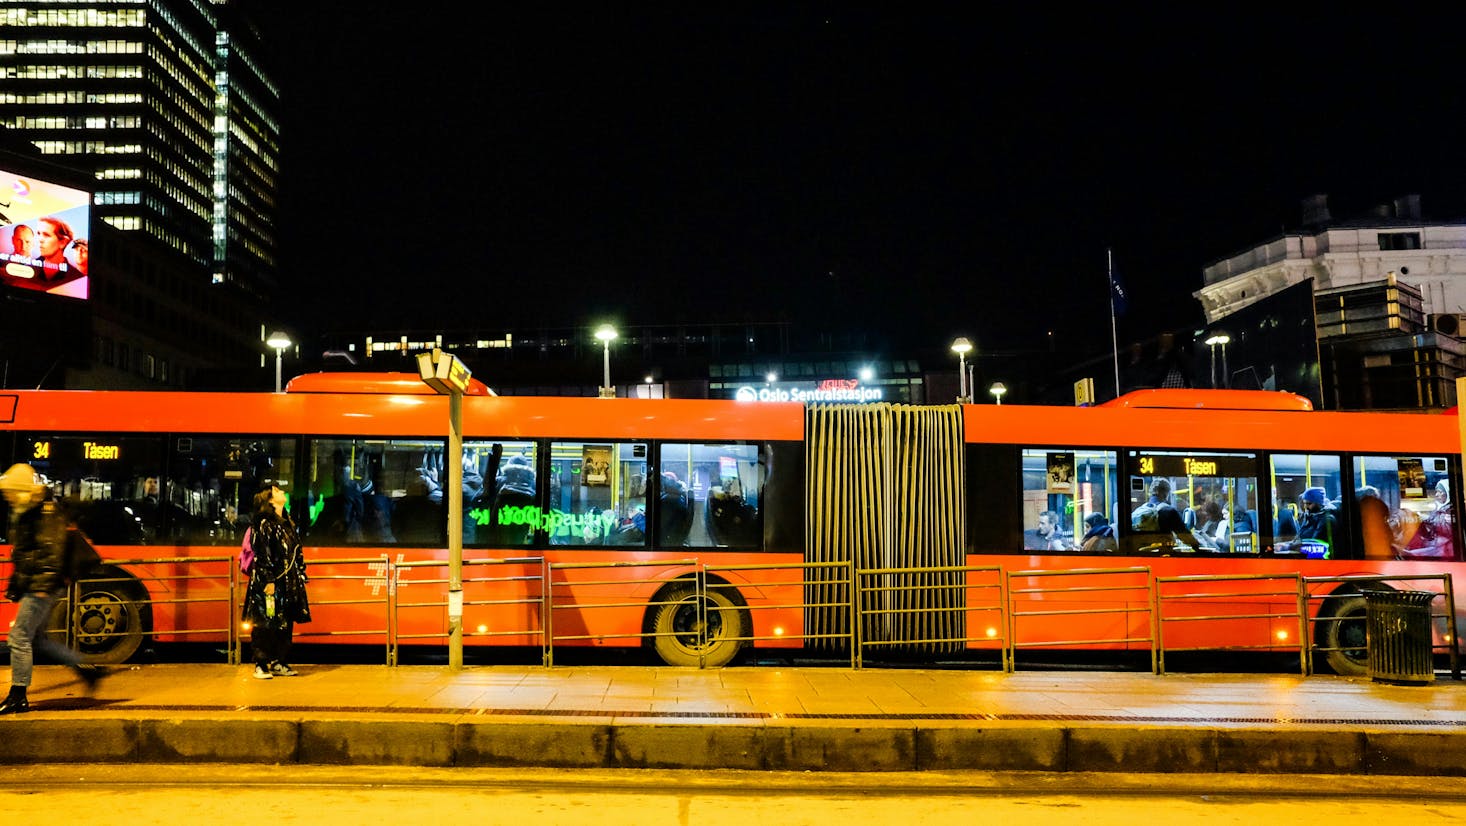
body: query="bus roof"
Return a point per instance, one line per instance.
(397, 384)
(1177, 398)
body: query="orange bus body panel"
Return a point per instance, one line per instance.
(406, 415)
(1196, 429)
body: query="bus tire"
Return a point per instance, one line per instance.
(1346, 633)
(111, 618)
(674, 621)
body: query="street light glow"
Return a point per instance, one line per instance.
(961, 346)
(279, 342)
(998, 389)
(606, 334)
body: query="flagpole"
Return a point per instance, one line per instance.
(1114, 334)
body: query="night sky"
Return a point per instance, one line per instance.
(919, 169)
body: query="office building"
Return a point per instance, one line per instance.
(164, 108)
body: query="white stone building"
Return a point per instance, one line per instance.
(1342, 253)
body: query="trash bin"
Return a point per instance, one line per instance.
(1397, 625)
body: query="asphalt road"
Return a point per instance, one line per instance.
(224, 796)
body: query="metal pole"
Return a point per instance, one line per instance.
(1226, 377)
(279, 356)
(607, 374)
(961, 378)
(453, 484)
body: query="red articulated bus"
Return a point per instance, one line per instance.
(723, 525)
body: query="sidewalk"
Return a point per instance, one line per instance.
(811, 719)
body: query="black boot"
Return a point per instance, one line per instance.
(15, 702)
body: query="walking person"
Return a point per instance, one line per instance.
(41, 572)
(275, 599)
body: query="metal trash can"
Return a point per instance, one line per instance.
(1397, 625)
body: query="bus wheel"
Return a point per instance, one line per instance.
(1346, 634)
(109, 620)
(678, 630)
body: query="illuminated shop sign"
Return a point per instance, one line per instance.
(809, 392)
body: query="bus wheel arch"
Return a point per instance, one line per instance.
(672, 622)
(1341, 626)
(112, 617)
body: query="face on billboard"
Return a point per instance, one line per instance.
(43, 235)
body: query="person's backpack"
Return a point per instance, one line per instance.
(1146, 518)
(247, 551)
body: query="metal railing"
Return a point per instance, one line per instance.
(532, 598)
(1133, 598)
(551, 599)
(1295, 596)
(178, 589)
(773, 589)
(960, 607)
(322, 609)
(620, 592)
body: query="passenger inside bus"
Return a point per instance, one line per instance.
(1047, 536)
(1374, 523)
(1213, 528)
(1432, 539)
(1099, 535)
(1317, 526)
(674, 508)
(1158, 526)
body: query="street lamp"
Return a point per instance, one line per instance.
(607, 334)
(961, 346)
(279, 342)
(1223, 339)
(998, 389)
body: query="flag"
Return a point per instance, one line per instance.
(1118, 299)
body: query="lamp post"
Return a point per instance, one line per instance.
(1220, 339)
(448, 376)
(279, 342)
(607, 334)
(961, 346)
(998, 389)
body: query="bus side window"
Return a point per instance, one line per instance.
(212, 481)
(597, 494)
(710, 495)
(110, 484)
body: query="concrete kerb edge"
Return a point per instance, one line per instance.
(480, 742)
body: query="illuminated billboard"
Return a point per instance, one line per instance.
(43, 235)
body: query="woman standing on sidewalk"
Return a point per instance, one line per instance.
(275, 599)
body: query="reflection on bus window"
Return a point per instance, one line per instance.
(506, 513)
(212, 481)
(1308, 517)
(375, 492)
(111, 485)
(1192, 502)
(1069, 500)
(1416, 507)
(597, 494)
(710, 495)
